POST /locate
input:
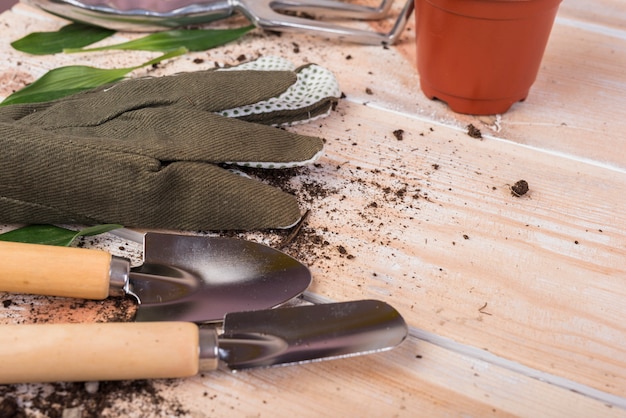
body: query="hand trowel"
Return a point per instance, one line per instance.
(120, 351)
(183, 278)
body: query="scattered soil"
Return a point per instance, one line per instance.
(312, 245)
(153, 398)
(307, 243)
(307, 191)
(301, 241)
(61, 400)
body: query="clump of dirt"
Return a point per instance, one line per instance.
(10, 409)
(307, 245)
(399, 134)
(520, 188)
(474, 132)
(344, 252)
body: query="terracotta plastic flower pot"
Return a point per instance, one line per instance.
(481, 56)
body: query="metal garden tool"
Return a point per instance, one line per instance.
(116, 351)
(274, 15)
(183, 278)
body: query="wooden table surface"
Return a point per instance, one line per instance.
(516, 305)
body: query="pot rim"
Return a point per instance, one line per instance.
(493, 9)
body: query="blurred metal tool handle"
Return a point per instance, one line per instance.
(273, 15)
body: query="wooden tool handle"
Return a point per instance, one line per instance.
(54, 271)
(86, 352)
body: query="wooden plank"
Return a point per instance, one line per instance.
(416, 378)
(605, 14)
(549, 265)
(581, 74)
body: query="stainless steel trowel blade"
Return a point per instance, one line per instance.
(201, 278)
(308, 333)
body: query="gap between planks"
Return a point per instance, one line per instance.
(479, 354)
(490, 358)
(555, 153)
(591, 27)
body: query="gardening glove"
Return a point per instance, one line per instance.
(147, 152)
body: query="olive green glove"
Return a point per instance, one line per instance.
(145, 152)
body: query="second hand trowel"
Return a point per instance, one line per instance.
(183, 278)
(118, 351)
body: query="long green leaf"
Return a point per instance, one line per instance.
(192, 39)
(74, 35)
(63, 81)
(53, 235)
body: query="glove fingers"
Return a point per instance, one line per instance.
(175, 134)
(57, 181)
(206, 90)
(268, 91)
(27, 212)
(234, 202)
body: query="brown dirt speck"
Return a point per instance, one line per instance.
(520, 188)
(474, 132)
(10, 408)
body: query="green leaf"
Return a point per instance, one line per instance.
(63, 81)
(53, 235)
(74, 35)
(192, 39)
